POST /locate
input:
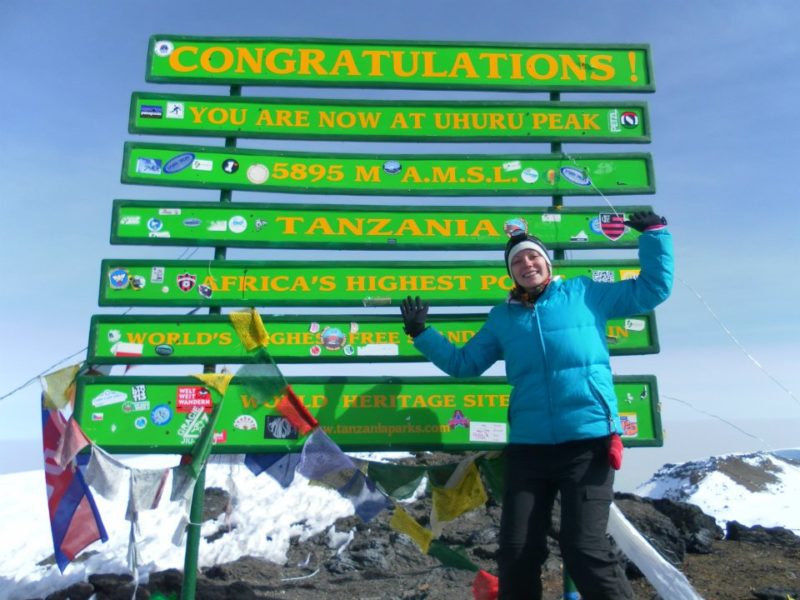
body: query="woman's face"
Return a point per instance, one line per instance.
(530, 269)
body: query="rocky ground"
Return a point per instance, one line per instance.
(740, 563)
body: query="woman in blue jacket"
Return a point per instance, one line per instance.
(563, 416)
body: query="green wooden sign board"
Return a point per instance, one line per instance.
(364, 227)
(323, 119)
(211, 339)
(164, 415)
(390, 174)
(130, 282)
(399, 64)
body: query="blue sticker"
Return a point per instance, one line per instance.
(148, 111)
(595, 226)
(161, 415)
(140, 423)
(164, 349)
(118, 279)
(154, 224)
(576, 176)
(179, 163)
(192, 222)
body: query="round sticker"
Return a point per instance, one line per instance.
(594, 225)
(140, 423)
(161, 415)
(629, 119)
(230, 165)
(237, 224)
(392, 167)
(138, 282)
(314, 350)
(530, 175)
(118, 279)
(163, 48)
(155, 224)
(114, 335)
(257, 173)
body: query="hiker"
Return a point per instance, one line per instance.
(563, 420)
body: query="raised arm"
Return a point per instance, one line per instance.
(654, 283)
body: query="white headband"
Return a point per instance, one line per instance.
(528, 245)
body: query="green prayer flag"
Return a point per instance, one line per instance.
(398, 481)
(451, 558)
(493, 470)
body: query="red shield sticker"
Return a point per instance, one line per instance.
(186, 281)
(612, 225)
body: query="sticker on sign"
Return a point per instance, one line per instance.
(487, 432)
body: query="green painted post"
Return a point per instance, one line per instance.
(198, 498)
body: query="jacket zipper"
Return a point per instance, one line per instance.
(548, 383)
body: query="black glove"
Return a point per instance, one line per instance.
(414, 312)
(642, 220)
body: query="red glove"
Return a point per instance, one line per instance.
(615, 452)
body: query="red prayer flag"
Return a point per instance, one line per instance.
(294, 411)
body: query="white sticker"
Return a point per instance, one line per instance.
(159, 234)
(378, 350)
(257, 173)
(237, 224)
(218, 226)
(580, 237)
(551, 218)
(245, 423)
(200, 164)
(163, 48)
(127, 349)
(530, 175)
(634, 324)
(174, 110)
(108, 397)
(130, 220)
(169, 211)
(512, 165)
(114, 335)
(487, 432)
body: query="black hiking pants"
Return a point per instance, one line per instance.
(580, 471)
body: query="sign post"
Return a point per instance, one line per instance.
(358, 413)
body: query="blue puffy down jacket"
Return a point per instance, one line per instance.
(555, 352)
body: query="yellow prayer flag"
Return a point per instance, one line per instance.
(451, 502)
(59, 388)
(249, 328)
(218, 381)
(404, 523)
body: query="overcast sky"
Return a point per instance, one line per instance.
(724, 122)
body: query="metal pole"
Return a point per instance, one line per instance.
(198, 497)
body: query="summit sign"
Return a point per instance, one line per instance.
(381, 63)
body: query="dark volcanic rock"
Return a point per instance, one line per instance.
(79, 591)
(697, 528)
(655, 526)
(774, 593)
(778, 536)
